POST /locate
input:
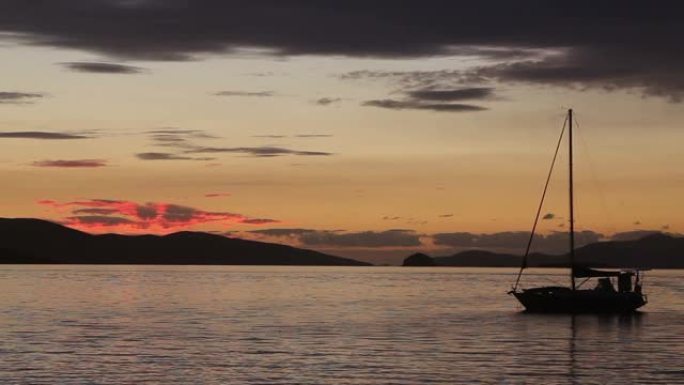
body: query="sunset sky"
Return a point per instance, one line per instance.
(363, 129)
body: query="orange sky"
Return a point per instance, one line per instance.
(290, 144)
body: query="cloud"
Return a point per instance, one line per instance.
(446, 215)
(97, 221)
(614, 44)
(76, 163)
(95, 210)
(607, 68)
(185, 140)
(167, 156)
(41, 135)
(327, 101)
(451, 95)
(258, 221)
(103, 68)
(393, 104)
(294, 136)
(19, 97)
(260, 94)
(313, 136)
(337, 238)
(259, 152)
(548, 216)
(175, 138)
(119, 215)
(270, 136)
(412, 79)
(216, 195)
(554, 242)
(282, 232)
(182, 131)
(439, 100)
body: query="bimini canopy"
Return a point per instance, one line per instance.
(585, 272)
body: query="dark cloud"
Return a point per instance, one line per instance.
(97, 220)
(446, 215)
(103, 68)
(555, 242)
(610, 44)
(313, 136)
(327, 101)
(389, 238)
(19, 97)
(177, 138)
(216, 195)
(390, 218)
(270, 136)
(548, 216)
(96, 211)
(412, 79)
(393, 104)
(181, 131)
(259, 152)
(77, 163)
(260, 94)
(258, 221)
(338, 238)
(282, 232)
(41, 135)
(652, 71)
(185, 140)
(440, 100)
(452, 95)
(294, 136)
(167, 156)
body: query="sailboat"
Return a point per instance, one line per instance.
(603, 298)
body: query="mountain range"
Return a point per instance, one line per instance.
(656, 251)
(24, 240)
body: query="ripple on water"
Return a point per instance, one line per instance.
(318, 325)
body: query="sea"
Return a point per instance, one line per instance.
(90, 324)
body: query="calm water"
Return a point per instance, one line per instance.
(320, 325)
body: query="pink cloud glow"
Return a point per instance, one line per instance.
(106, 215)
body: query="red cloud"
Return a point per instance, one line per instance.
(77, 163)
(116, 215)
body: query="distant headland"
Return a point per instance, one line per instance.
(24, 240)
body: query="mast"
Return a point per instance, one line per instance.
(523, 265)
(572, 206)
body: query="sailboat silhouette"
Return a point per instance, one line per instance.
(560, 299)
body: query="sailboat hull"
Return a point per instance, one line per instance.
(554, 299)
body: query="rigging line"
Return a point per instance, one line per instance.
(592, 170)
(539, 209)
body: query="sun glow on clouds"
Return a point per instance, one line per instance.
(106, 215)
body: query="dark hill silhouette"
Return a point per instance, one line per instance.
(24, 240)
(657, 251)
(478, 258)
(419, 259)
(653, 251)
